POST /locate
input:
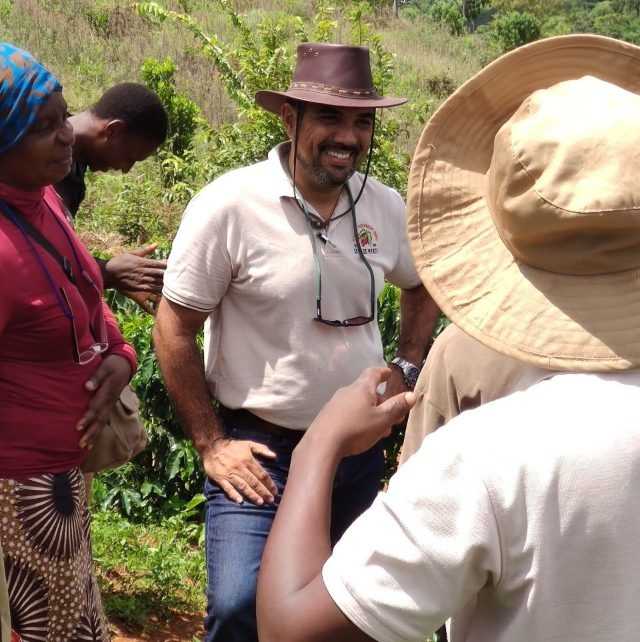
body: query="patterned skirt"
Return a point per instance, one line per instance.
(46, 543)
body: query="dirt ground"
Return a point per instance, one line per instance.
(180, 628)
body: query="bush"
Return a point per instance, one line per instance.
(458, 16)
(440, 85)
(134, 206)
(183, 113)
(448, 13)
(615, 25)
(514, 29)
(165, 478)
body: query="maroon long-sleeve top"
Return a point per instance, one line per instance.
(42, 388)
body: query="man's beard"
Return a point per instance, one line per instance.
(321, 176)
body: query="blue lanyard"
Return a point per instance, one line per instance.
(66, 310)
(64, 306)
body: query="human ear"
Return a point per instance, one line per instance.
(288, 114)
(114, 129)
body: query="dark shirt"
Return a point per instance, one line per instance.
(72, 188)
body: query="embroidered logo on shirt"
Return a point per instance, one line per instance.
(368, 238)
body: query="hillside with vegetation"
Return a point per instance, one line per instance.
(206, 59)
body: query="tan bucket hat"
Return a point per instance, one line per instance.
(330, 74)
(524, 204)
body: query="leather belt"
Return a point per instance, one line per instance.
(242, 418)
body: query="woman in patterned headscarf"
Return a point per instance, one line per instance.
(63, 362)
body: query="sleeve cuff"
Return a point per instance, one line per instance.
(351, 607)
(186, 301)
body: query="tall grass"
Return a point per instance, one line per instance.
(92, 44)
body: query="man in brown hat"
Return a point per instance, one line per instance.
(283, 262)
(517, 519)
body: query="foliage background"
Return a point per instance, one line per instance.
(206, 59)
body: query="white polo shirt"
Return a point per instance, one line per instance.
(244, 254)
(519, 518)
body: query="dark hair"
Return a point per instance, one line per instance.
(138, 107)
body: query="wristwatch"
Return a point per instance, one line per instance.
(409, 371)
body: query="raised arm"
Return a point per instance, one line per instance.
(293, 603)
(418, 316)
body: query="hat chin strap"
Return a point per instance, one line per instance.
(299, 113)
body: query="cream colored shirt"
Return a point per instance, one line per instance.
(519, 518)
(461, 374)
(243, 253)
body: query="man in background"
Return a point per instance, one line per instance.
(125, 126)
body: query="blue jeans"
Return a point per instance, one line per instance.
(236, 534)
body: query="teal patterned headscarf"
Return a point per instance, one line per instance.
(25, 84)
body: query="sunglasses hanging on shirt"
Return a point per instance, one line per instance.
(352, 321)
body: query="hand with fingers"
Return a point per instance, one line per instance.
(395, 384)
(106, 383)
(232, 464)
(357, 417)
(134, 271)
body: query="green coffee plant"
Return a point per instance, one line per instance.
(183, 113)
(449, 13)
(165, 478)
(514, 29)
(98, 19)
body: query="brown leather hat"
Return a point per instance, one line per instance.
(336, 75)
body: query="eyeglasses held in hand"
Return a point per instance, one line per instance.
(98, 331)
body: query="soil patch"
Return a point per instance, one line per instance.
(179, 627)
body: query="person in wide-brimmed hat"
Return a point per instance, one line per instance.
(518, 519)
(284, 261)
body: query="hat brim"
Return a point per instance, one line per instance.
(554, 321)
(272, 100)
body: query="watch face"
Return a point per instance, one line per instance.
(411, 377)
(410, 372)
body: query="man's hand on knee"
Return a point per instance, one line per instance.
(232, 464)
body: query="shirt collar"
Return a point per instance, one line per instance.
(281, 181)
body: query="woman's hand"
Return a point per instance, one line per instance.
(106, 383)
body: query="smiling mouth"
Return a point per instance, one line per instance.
(340, 155)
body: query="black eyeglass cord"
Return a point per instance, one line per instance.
(356, 237)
